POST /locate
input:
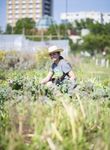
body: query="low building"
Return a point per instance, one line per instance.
(95, 16)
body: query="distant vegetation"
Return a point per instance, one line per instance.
(98, 40)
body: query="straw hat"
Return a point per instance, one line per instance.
(54, 49)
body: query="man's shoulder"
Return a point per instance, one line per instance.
(63, 61)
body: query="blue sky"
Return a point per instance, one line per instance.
(60, 6)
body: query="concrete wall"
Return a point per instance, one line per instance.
(20, 43)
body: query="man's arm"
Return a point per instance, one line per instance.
(71, 75)
(47, 79)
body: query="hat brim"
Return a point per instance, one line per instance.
(57, 50)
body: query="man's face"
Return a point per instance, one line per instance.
(54, 56)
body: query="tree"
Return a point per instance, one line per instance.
(24, 26)
(74, 46)
(59, 30)
(96, 28)
(99, 37)
(96, 42)
(82, 24)
(9, 29)
(107, 28)
(52, 30)
(0, 30)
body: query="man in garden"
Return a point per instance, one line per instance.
(60, 74)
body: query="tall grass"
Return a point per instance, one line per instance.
(30, 121)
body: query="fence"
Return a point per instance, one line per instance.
(20, 43)
(102, 62)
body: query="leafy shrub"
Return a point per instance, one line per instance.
(18, 60)
(2, 55)
(42, 58)
(2, 74)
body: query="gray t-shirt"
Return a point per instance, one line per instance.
(61, 69)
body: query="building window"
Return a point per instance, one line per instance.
(23, 11)
(37, 6)
(16, 11)
(10, 7)
(30, 11)
(31, 1)
(24, 2)
(10, 12)
(16, 16)
(17, 6)
(23, 6)
(9, 2)
(16, 2)
(30, 15)
(30, 6)
(10, 16)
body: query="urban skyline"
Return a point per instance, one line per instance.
(33, 9)
(63, 6)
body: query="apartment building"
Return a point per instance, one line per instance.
(17, 9)
(96, 16)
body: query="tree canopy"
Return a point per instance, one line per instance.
(9, 29)
(24, 26)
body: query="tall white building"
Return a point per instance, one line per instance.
(17, 9)
(96, 16)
